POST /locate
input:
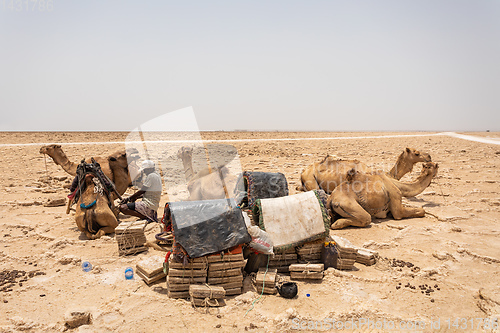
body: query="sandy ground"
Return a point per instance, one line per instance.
(457, 247)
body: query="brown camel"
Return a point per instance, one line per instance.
(209, 183)
(376, 194)
(331, 172)
(115, 166)
(95, 219)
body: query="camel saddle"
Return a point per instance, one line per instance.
(93, 169)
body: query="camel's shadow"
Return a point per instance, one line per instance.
(415, 199)
(157, 288)
(83, 236)
(424, 202)
(352, 227)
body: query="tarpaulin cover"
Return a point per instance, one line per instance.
(208, 226)
(293, 220)
(253, 185)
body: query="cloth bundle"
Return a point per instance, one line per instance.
(292, 220)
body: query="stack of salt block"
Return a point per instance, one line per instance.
(282, 260)
(130, 237)
(265, 281)
(347, 253)
(307, 271)
(226, 271)
(180, 277)
(150, 269)
(366, 257)
(310, 253)
(208, 296)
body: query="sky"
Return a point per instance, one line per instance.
(385, 65)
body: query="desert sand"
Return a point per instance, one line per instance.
(456, 246)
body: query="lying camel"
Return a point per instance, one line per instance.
(93, 214)
(331, 172)
(376, 194)
(216, 183)
(115, 166)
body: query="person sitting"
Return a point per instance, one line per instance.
(150, 192)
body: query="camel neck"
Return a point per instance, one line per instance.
(414, 188)
(62, 160)
(188, 167)
(401, 168)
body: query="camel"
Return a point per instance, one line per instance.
(93, 214)
(115, 166)
(364, 195)
(209, 183)
(330, 172)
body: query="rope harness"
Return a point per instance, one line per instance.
(102, 185)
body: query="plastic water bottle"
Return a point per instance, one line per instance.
(86, 266)
(129, 273)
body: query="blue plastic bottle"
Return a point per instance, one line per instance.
(86, 266)
(129, 273)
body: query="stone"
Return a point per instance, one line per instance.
(77, 318)
(68, 259)
(55, 202)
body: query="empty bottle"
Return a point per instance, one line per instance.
(129, 273)
(86, 266)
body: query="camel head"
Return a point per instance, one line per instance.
(132, 154)
(50, 149)
(329, 159)
(430, 168)
(119, 160)
(55, 152)
(414, 156)
(122, 158)
(88, 179)
(184, 152)
(351, 174)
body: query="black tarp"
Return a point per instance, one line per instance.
(253, 185)
(208, 226)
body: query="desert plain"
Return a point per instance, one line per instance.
(456, 246)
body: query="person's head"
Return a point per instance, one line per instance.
(147, 166)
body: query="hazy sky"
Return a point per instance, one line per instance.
(265, 65)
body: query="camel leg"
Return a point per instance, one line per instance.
(103, 231)
(116, 210)
(381, 215)
(88, 234)
(352, 213)
(309, 184)
(401, 212)
(106, 230)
